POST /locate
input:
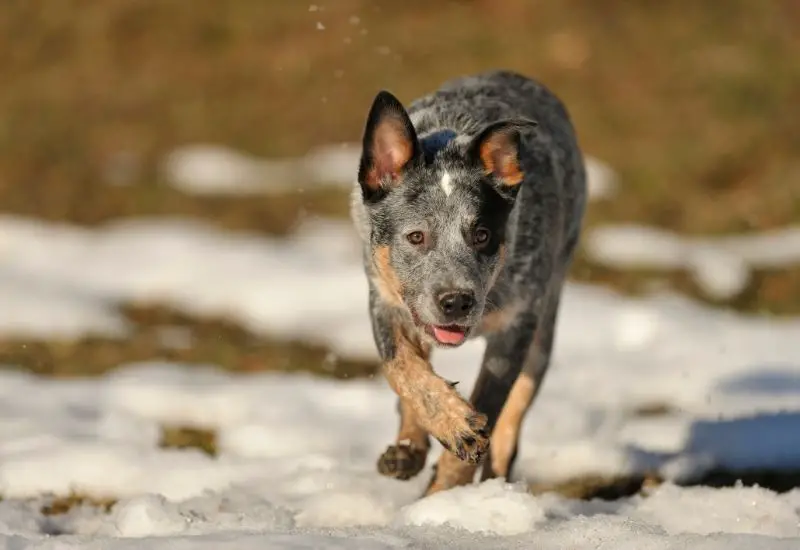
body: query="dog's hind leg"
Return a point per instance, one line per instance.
(505, 433)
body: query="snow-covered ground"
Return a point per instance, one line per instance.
(297, 453)
(721, 266)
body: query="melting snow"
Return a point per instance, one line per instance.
(297, 453)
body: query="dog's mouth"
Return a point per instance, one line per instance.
(445, 335)
(449, 335)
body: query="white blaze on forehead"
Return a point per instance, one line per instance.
(446, 184)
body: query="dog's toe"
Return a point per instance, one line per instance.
(471, 443)
(402, 461)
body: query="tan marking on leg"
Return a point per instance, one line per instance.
(439, 408)
(500, 319)
(506, 431)
(386, 280)
(411, 433)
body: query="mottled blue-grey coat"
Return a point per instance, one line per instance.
(469, 204)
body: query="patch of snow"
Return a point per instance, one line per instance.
(43, 309)
(602, 181)
(707, 511)
(296, 463)
(497, 508)
(147, 515)
(722, 266)
(207, 169)
(490, 515)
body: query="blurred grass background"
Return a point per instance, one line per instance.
(695, 105)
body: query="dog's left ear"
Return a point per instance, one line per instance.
(496, 150)
(389, 146)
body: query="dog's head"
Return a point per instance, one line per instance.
(437, 216)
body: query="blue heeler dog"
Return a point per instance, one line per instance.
(469, 204)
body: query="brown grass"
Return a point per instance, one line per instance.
(160, 333)
(188, 437)
(694, 104)
(62, 504)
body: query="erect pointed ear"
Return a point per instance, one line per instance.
(390, 144)
(496, 150)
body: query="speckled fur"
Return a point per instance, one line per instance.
(517, 278)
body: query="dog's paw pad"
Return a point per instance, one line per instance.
(402, 461)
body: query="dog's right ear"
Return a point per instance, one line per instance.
(389, 146)
(496, 150)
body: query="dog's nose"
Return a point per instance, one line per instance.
(456, 303)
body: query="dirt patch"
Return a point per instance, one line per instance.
(769, 291)
(188, 437)
(613, 488)
(61, 505)
(161, 333)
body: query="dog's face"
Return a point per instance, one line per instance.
(437, 217)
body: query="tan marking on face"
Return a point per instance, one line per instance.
(451, 472)
(506, 431)
(500, 319)
(439, 409)
(498, 268)
(386, 279)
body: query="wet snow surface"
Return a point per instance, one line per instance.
(297, 453)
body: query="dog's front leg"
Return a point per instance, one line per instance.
(428, 403)
(501, 388)
(500, 372)
(437, 406)
(406, 458)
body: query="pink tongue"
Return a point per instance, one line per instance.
(448, 336)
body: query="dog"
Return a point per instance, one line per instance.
(469, 205)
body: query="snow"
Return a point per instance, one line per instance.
(722, 266)
(296, 463)
(209, 169)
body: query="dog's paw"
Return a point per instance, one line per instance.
(402, 461)
(467, 437)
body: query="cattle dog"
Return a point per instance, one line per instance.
(469, 204)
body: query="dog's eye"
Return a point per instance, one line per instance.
(416, 238)
(481, 236)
